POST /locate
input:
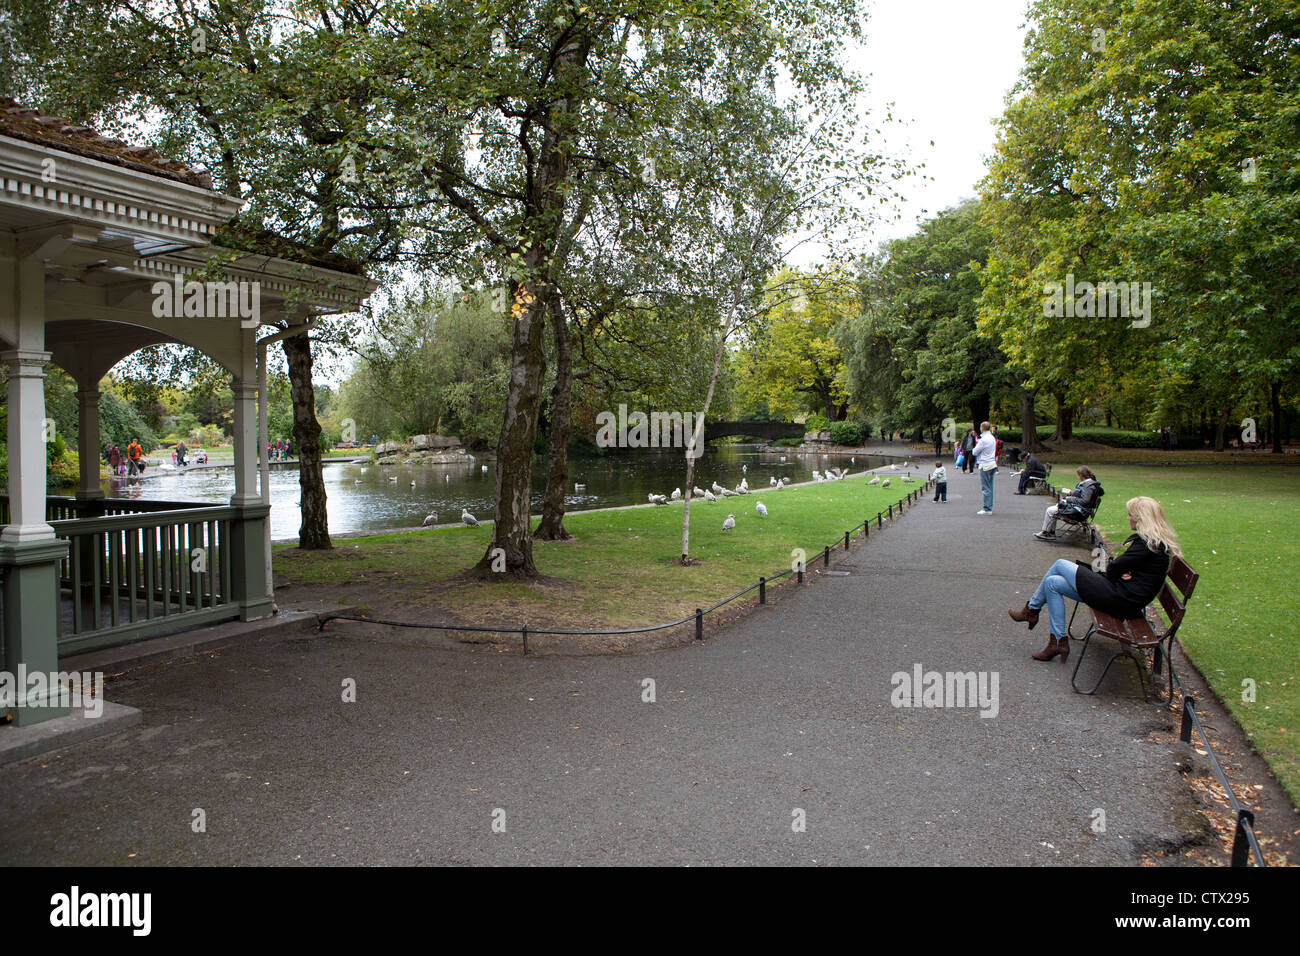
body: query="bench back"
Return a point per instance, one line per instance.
(1174, 603)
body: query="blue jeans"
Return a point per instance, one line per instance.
(986, 485)
(1056, 586)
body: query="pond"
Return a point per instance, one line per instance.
(361, 497)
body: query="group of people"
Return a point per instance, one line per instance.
(128, 463)
(279, 450)
(1125, 586)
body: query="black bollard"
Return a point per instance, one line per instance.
(762, 590)
(847, 535)
(699, 624)
(826, 556)
(525, 633)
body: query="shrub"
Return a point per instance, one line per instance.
(817, 423)
(788, 442)
(848, 433)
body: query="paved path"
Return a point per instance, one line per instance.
(787, 709)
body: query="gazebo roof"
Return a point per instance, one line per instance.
(23, 122)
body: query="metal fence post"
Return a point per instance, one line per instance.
(699, 624)
(847, 535)
(1185, 732)
(866, 528)
(1240, 843)
(762, 590)
(826, 556)
(880, 522)
(800, 572)
(524, 631)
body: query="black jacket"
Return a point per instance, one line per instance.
(1035, 467)
(1109, 592)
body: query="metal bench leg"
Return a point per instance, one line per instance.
(1069, 625)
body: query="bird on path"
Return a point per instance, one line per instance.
(468, 518)
(710, 496)
(772, 481)
(741, 489)
(717, 488)
(761, 509)
(817, 475)
(430, 519)
(729, 523)
(727, 493)
(657, 499)
(677, 493)
(697, 492)
(893, 466)
(785, 480)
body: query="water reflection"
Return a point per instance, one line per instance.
(367, 497)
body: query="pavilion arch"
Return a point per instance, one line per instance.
(82, 256)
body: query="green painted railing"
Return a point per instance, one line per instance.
(136, 568)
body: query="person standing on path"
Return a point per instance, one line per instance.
(986, 459)
(940, 479)
(967, 451)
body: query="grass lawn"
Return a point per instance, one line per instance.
(619, 570)
(1236, 527)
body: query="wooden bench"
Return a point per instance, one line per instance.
(1139, 634)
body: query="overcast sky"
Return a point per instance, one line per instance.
(946, 65)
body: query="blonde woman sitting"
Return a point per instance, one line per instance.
(1130, 582)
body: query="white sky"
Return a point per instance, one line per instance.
(946, 65)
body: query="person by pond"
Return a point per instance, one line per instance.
(986, 459)
(180, 453)
(940, 479)
(1129, 583)
(134, 457)
(115, 459)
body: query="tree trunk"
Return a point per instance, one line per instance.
(980, 409)
(314, 532)
(557, 469)
(1275, 411)
(1028, 425)
(1064, 419)
(1221, 430)
(690, 459)
(1108, 418)
(511, 531)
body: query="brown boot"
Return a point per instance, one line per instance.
(1026, 615)
(1051, 650)
(1063, 645)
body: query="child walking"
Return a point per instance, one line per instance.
(940, 479)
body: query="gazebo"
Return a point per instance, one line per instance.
(107, 248)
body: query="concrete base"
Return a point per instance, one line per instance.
(22, 743)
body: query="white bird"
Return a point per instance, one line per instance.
(578, 487)
(817, 475)
(874, 481)
(657, 499)
(885, 483)
(717, 488)
(907, 464)
(485, 467)
(761, 509)
(677, 493)
(468, 518)
(853, 461)
(710, 496)
(430, 519)
(907, 478)
(741, 490)
(392, 477)
(893, 466)
(446, 477)
(744, 469)
(729, 523)
(728, 493)
(785, 480)
(357, 481)
(783, 457)
(697, 492)
(412, 482)
(772, 481)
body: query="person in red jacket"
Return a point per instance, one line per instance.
(1130, 582)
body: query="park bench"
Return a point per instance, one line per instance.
(1036, 484)
(1140, 634)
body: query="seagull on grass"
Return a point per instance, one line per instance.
(468, 518)
(729, 523)
(761, 509)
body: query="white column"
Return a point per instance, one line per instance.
(245, 439)
(88, 450)
(26, 438)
